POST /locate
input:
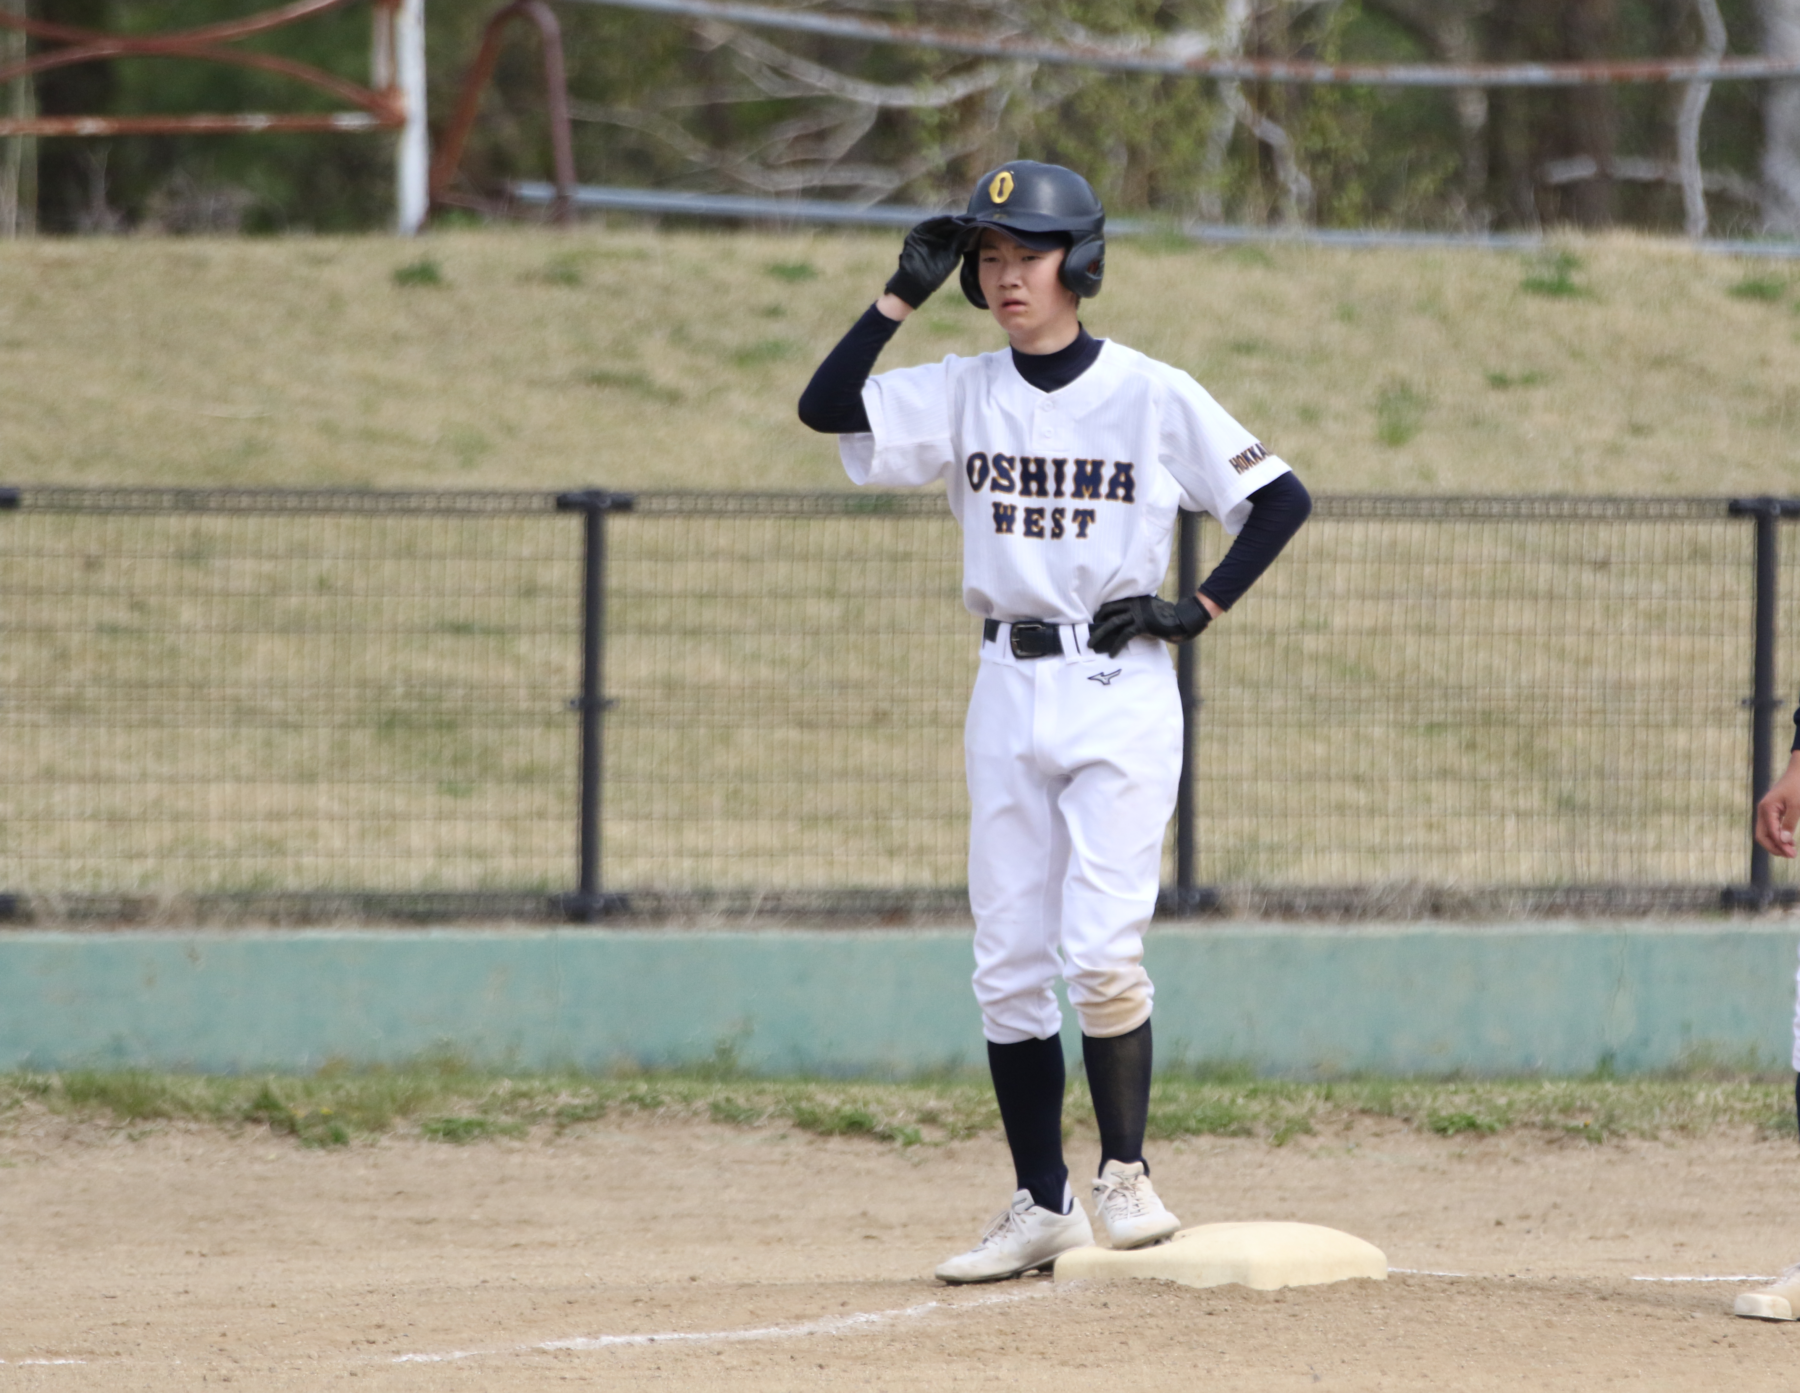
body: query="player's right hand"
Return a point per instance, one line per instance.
(1779, 812)
(931, 252)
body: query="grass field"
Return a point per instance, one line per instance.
(528, 359)
(1466, 704)
(222, 703)
(447, 1103)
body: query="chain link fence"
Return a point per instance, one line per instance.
(303, 705)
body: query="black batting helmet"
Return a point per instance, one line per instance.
(1041, 205)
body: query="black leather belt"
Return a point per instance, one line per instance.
(1030, 638)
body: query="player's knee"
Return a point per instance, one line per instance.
(1110, 1001)
(1009, 1018)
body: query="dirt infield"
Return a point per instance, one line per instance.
(759, 1258)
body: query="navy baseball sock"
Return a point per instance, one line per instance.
(1028, 1082)
(1118, 1070)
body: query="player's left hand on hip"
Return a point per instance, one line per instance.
(931, 253)
(1117, 622)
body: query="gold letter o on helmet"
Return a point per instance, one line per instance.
(1001, 189)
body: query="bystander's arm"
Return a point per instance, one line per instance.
(1779, 811)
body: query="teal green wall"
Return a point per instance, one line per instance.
(1404, 1000)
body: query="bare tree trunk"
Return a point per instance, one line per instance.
(1592, 125)
(18, 157)
(1472, 119)
(1781, 120)
(1234, 22)
(1447, 28)
(1296, 188)
(1687, 124)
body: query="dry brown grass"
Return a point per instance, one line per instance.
(203, 703)
(633, 358)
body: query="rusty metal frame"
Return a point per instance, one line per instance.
(468, 105)
(380, 106)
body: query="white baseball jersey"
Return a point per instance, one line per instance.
(1066, 499)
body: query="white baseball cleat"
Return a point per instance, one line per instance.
(1024, 1237)
(1128, 1207)
(1778, 1302)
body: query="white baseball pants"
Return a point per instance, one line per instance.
(1073, 763)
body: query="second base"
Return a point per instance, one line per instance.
(1260, 1255)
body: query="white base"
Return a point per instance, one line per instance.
(1771, 1303)
(1264, 1256)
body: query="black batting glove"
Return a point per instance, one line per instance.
(1119, 621)
(931, 253)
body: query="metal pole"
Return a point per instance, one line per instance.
(589, 903)
(1767, 513)
(1768, 541)
(556, 98)
(11, 906)
(1189, 897)
(18, 163)
(1135, 57)
(412, 162)
(593, 710)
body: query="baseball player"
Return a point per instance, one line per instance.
(1776, 817)
(1065, 459)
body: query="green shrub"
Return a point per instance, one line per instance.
(1399, 413)
(1767, 288)
(1454, 1124)
(424, 271)
(1555, 276)
(459, 1131)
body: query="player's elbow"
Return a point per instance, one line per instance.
(812, 413)
(831, 414)
(1296, 502)
(1277, 509)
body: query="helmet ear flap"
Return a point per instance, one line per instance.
(971, 279)
(1084, 266)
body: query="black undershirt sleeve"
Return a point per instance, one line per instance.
(832, 402)
(1276, 511)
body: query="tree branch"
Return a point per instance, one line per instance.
(1687, 124)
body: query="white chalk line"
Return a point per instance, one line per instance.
(835, 1325)
(830, 1325)
(1495, 1277)
(1735, 1277)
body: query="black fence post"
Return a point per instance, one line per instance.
(1767, 513)
(589, 903)
(11, 907)
(1190, 897)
